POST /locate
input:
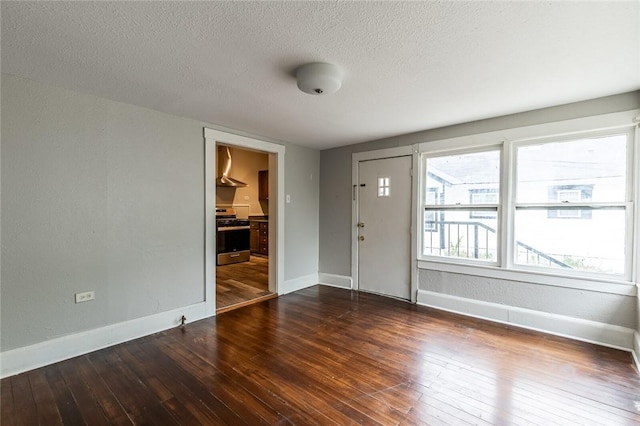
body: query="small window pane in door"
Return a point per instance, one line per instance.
(383, 187)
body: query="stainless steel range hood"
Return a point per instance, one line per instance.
(224, 165)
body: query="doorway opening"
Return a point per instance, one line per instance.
(244, 258)
(242, 227)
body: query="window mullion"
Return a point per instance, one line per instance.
(571, 206)
(490, 207)
(507, 187)
(633, 186)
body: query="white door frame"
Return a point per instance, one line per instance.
(356, 158)
(276, 209)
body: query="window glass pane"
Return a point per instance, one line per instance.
(580, 170)
(451, 233)
(430, 216)
(571, 195)
(455, 177)
(483, 196)
(567, 241)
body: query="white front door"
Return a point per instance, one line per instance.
(384, 226)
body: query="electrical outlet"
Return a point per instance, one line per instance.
(85, 297)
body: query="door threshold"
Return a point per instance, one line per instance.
(246, 303)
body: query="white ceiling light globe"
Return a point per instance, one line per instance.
(319, 78)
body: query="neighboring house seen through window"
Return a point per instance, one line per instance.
(570, 194)
(483, 196)
(430, 219)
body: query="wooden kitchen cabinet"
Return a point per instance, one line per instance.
(264, 238)
(259, 237)
(254, 237)
(263, 185)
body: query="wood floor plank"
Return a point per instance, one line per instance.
(237, 397)
(279, 388)
(24, 406)
(183, 414)
(188, 388)
(183, 383)
(103, 395)
(540, 382)
(132, 394)
(6, 403)
(327, 356)
(87, 405)
(234, 372)
(46, 407)
(67, 406)
(240, 283)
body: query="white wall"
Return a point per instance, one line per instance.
(335, 224)
(104, 196)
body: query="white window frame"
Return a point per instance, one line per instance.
(491, 208)
(627, 204)
(620, 122)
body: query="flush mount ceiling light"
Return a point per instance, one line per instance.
(319, 78)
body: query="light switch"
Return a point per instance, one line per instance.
(288, 198)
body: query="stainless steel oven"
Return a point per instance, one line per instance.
(232, 237)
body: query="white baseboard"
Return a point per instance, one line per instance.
(335, 280)
(636, 350)
(299, 283)
(579, 329)
(27, 358)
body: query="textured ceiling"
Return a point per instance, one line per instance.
(408, 66)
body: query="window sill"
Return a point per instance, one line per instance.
(624, 288)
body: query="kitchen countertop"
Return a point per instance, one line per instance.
(258, 219)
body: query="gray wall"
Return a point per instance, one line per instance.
(104, 196)
(335, 220)
(636, 341)
(335, 211)
(590, 305)
(302, 170)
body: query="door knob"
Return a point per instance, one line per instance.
(361, 237)
(360, 224)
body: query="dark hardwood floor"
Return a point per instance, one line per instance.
(330, 356)
(239, 284)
